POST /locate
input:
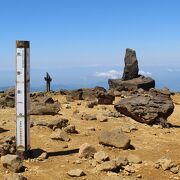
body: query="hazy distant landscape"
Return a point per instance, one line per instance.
(166, 75)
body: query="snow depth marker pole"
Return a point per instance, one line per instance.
(22, 98)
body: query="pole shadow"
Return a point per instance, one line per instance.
(35, 153)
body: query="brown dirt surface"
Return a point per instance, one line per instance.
(150, 143)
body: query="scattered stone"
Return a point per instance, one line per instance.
(103, 119)
(67, 106)
(7, 145)
(101, 156)
(77, 162)
(93, 162)
(139, 176)
(69, 98)
(64, 92)
(114, 114)
(157, 126)
(165, 163)
(43, 156)
(154, 108)
(117, 93)
(98, 93)
(107, 166)
(59, 134)
(13, 176)
(89, 117)
(129, 169)
(7, 101)
(121, 161)
(44, 106)
(115, 138)
(12, 162)
(175, 169)
(39, 123)
(91, 104)
(76, 173)
(71, 129)
(105, 98)
(132, 128)
(86, 151)
(91, 129)
(134, 159)
(58, 124)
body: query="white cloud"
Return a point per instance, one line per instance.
(145, 73)
(113, 74)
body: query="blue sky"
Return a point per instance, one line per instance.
(77, 41)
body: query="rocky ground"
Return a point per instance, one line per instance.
(156, 149)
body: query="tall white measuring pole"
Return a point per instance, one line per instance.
(22, 98)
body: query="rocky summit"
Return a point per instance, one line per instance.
(96, 136)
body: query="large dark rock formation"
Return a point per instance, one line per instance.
(152, 107)
(130, 79)
(131, 65)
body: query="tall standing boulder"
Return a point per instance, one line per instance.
(131, 65)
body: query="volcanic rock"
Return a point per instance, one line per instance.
(7, 101)
(165, 163)
(88, 117)
(175, 169)
(7, 145)
(131, 65)
(12, 162)
(139, 82)
(98, 94)
(60, 135)
(107, 166)
(151, 107)
(134, 159)
(58, 124)
(121, 161)
(14, 176)
(91, 104)
(86, 151)
(76, 173)
(101, 156)
(115, 138)
(71, 129)
(105, 98)
(44, 106)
